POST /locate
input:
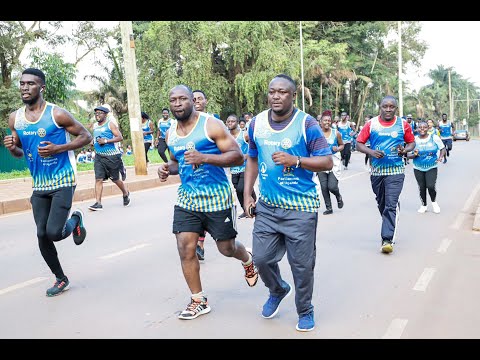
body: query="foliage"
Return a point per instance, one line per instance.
(58, 74)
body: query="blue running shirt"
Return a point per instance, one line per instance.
(244, 147)
(52, 172)
(387, 139)
(104, 131)
(427, 152)
(206, 188)
(285, 187)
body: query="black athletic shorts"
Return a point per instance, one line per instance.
(108, 167)
(221, 225)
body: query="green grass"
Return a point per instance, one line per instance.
(128, 160)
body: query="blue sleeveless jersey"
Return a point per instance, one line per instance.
(146, 127)
(427, 153)
(206, 188)
(244, 147)
(284, 187)
(332, 140)
(445, 130)
(387, 139)
(345, 131)
(55, 171)
(104, 131)
(163, 126)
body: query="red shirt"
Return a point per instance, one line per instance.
(407, 130)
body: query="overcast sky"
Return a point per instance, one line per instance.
(452, 44)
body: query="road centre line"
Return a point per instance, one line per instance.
(118, 253)
(424, 279)
(444, 245)
(22, 285)
(395, 330)
(468, 204)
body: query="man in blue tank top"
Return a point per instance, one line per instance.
(200, 146)
(391, 137)
(447, 129)
(41, 132)
(108, 161)
(286, 150)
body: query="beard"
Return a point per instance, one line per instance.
(186, 114)
(30, 101)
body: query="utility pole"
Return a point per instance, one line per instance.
(134, 111)
(301, 62)
(450, 93)
(400, 74)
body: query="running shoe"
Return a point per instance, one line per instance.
(195, 309)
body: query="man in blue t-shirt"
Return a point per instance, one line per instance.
(286, 150)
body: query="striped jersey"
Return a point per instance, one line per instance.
(207, 187)
(52, 172)
(387, 139)
(281, 186)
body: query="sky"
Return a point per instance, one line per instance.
(450, 43)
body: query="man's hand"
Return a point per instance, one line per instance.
(163, 172)
(378, 154)
(193, 157)
(282, 158)
(9, 142)
(46, 149)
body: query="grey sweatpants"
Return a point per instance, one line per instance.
(277, 231)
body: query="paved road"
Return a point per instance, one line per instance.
(126, 280)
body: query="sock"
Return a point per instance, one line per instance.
(249, 261)
(199, 296)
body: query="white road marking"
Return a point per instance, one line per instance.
(395, 330)
(348, 177)
(468, 204)
(444, 245)
(118, 253)
(22, 285)
(424, 279)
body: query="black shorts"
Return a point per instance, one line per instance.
(108, 167)
(221, 225)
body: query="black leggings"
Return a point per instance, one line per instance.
(161, 148)
(346, 153)
(238, 181)
(147, 147)
(329, 184)
(50, 212)
(426, 180)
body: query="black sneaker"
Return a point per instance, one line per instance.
(340, 202)
(328, 212)
(79, 232)
(60, 286)
(126, 199)
(200, 253)
(195, 309)
(96, 207)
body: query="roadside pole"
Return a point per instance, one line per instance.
(134, 111)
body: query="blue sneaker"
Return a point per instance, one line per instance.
(270, 308)
(306, 322)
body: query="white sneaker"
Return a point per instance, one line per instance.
(436, 208)
(422, 209)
